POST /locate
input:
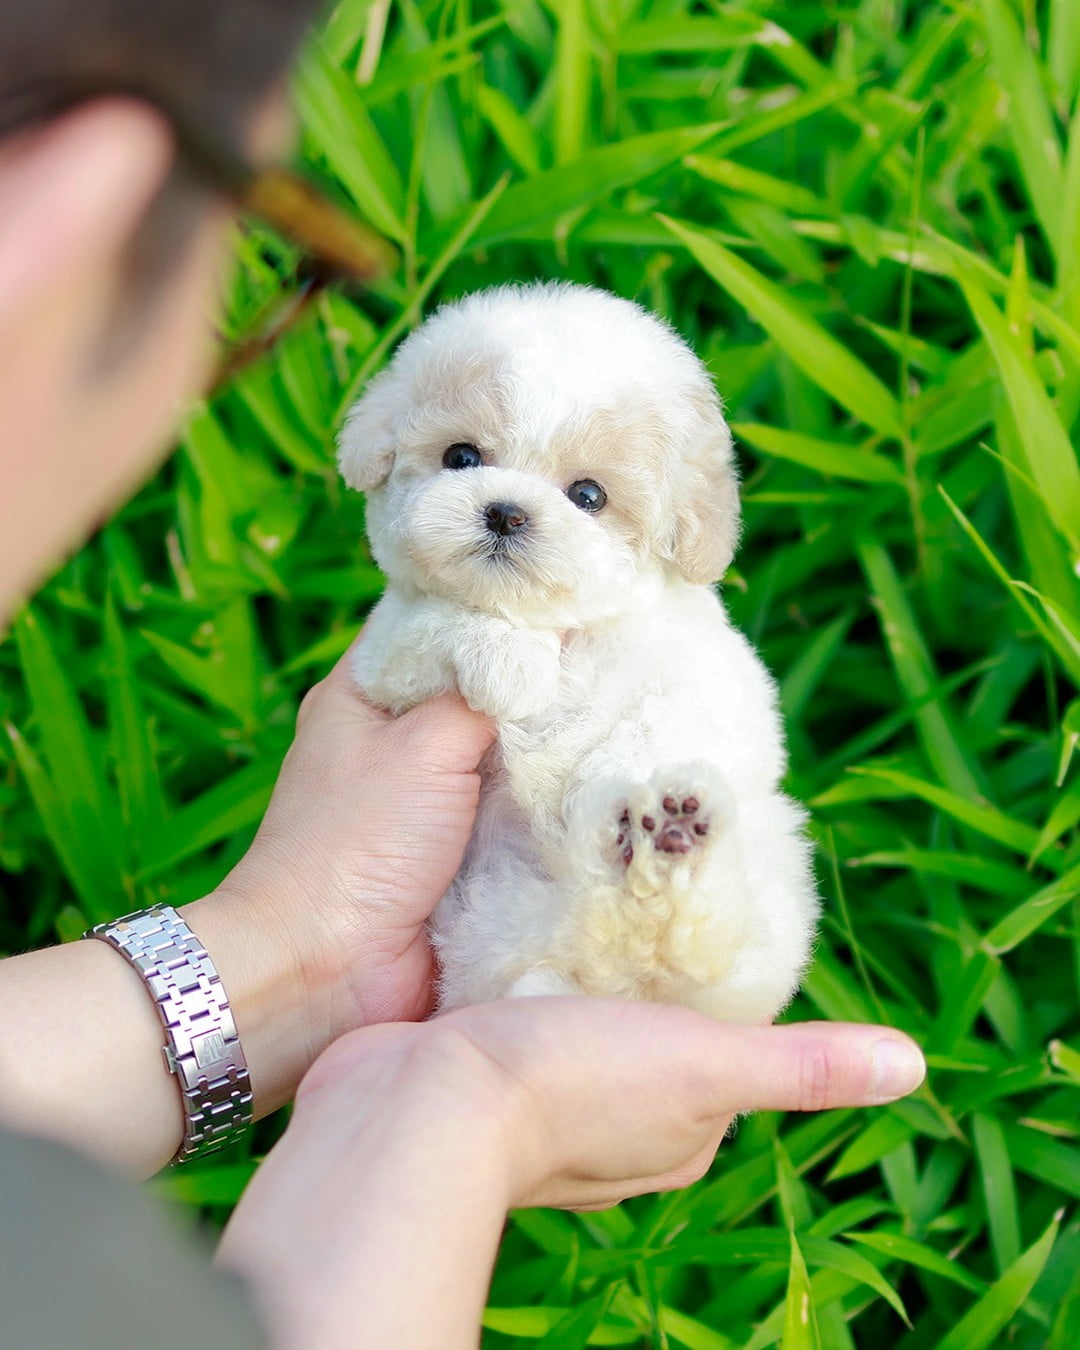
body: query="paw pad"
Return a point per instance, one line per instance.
(675, 829)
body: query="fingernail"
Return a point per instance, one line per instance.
(898, 1069)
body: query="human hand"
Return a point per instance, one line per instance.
(598, 1100)
(320, 926)
(364, 833)
(376, 1218)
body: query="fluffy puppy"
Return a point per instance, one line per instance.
(551, 494)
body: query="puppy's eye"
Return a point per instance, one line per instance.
(461, 455)
(587, 495)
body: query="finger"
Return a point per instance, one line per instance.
(604, 1195)
(337, 697)
(812, 1066)
(454, 737)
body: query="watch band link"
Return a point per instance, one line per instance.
(201, 1047)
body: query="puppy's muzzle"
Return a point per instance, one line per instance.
(505, 519)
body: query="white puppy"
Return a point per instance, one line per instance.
(550, 493)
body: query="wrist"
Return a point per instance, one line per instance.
(383, 1204)
(265, 972)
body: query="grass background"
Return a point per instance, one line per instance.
(865, 215)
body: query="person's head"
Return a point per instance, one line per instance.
(110, 244)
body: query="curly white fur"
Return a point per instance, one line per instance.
(632, 840)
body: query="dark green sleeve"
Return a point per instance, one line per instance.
(88, 1262)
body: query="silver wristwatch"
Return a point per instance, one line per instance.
(201, 1045)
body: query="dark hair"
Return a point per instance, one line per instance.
(212, 62)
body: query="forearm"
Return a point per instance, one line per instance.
(379, 1229)
(80, 1041)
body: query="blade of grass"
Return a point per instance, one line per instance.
(800, 1321)
(824, 457)
(982, 1324)
(915, 670)
(334, 116)
(1049, 458)
(596, 174)
(815, 351)
(1029, 121)
(999, 1189)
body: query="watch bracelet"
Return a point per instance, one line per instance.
(202, 1048)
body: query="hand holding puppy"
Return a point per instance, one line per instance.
(570, 1102)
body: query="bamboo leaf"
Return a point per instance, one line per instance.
(983, 1323)
(900, 1248)
(540, 201)
(800, 1321)
(334, 116)
(1049, 458)
(1029, 121)
(999, 1189)
(824, 457)
(815, 351)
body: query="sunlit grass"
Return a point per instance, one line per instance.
(866, 217)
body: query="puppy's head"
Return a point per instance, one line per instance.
(540, 452)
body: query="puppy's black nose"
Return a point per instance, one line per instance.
(505, 518)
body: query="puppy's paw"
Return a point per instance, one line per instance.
(668, 826)
(513, 676)
(677, 826)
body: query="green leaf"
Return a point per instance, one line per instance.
(815, 351)
(576, 1329)
(982, 1324)
(736, 177)
(692, 34)
(511, 128)
(1065, 1058)
(1049, 1160)
(824, 457)
(979, 816)
(800, 1322)
(142, 797)
(540, 201)
(915, 670)
(999, 1189)
(333, 114)
(1048, 632)
(235, 804)
(900, 1248)
(801, 678)
(1049, 458)
(1019, 924)
(533, 1323)
(1029, 120)
(876, 1141)
(571, 76)
(83, 807)
(98, 900)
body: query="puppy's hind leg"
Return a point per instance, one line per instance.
(662, 910)
(542, 982)
(673, 826)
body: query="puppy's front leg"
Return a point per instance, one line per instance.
(404, 657)
(414, 649)
(510, 673)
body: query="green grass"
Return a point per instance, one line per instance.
(865, 215)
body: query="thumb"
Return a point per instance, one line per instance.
(454, 737)
(811, 1066)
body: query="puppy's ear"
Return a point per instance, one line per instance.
(367, 441)
(706, 502)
